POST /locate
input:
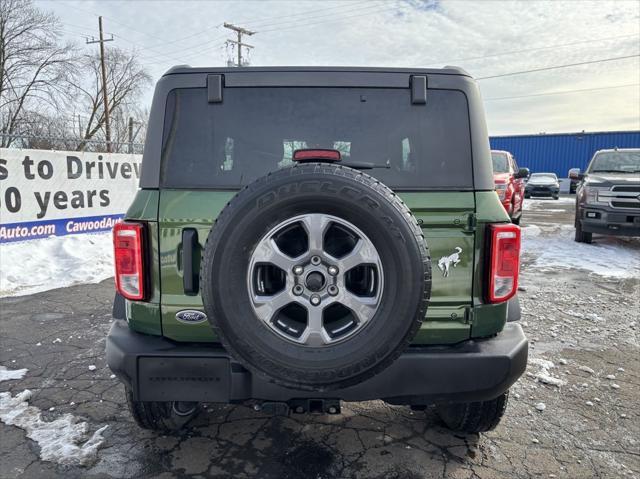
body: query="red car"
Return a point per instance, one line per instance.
(509, 181)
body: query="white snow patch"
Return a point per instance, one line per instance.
(543, 374)
(531, 231)
(586, 369)
(543, 204)
(7, 374)
(607, 256)
(59, 440)
(54, 262)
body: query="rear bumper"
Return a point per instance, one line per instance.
(157, 369)
(542, 191)
(607, 221)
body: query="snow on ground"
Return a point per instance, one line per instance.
(60, 439)
(545, 203)
(607, 256)
(7, 374)
(33, 266)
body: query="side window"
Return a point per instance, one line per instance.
(515, 165)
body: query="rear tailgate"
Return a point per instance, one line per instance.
(446, 219)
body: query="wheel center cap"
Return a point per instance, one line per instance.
(315, 281)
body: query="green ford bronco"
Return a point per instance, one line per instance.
(306, 236)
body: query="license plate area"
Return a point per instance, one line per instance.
(183, 379)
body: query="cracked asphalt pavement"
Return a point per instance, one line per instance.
(584, 335)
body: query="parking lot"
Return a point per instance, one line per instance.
(571, 415)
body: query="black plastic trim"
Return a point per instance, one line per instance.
(419, 90)
(119, 310)
(514, 312)
(214, 88)
(190, 277)
(473, 370)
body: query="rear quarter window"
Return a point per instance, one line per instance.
(255, 131)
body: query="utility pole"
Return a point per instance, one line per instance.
(107, 126)
(130, 130)
(239, 32)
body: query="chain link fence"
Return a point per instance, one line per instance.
(35, 142)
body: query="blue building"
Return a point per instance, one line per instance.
(557, 153)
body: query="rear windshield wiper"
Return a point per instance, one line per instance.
(365, 165)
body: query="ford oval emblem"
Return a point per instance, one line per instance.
(191, 316)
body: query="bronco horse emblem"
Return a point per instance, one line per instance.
(445, 262)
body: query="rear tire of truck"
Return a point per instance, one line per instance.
(582, 236)
(161, 416)
(316, 277)
(474, 417)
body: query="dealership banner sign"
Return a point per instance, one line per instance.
(54, 193)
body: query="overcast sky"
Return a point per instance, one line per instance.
(485, 37)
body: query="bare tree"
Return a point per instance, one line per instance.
(34, 65)
(126, 80)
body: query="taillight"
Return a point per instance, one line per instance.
(129, 259)
(504, 262)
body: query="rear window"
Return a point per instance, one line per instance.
(544, 176)
(255, 131)
(500, 162)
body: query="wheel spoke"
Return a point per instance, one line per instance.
(268, 252)
(362, 253)
(314, 335)
(363, 307)
(266, 306)
(315, 225)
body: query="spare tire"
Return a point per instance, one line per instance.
(316, 277)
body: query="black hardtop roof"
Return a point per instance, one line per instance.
(447, 78)
(447, 70)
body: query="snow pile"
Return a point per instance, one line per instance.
(543, 204)
(59, 439)
(607, 256)
(543, 374)
(7, 374)
(55, 262)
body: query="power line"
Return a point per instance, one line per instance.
(263, 23)
(348, 8)
(564, 92)
(527, 50)
(558, 66)
(260, 20)
(306, 18)
(332, 20)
